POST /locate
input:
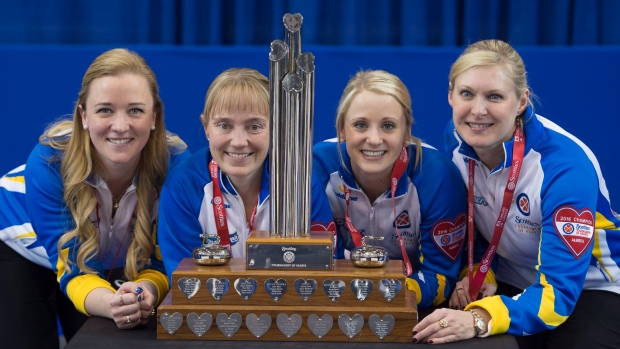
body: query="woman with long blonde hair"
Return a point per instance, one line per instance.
(92, 193)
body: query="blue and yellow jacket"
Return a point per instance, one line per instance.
(430, 205)
(561, 235)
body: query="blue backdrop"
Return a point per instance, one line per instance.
(326, 22)
(577, 88)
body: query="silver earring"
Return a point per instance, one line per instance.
(152, 127)
(85, 127)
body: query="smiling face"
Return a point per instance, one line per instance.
(375, 130)
(239, 142)
(485, 106)
(119, 114)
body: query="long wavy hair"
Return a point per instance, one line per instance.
(383, 83)
(80, 162)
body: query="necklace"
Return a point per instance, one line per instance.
(115, 204)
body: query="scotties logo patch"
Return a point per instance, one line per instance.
(449, 236)
(575, 228)
(523, 203)
(402, 221)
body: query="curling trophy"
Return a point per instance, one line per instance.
(289, 287)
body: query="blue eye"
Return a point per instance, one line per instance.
(103, 111)
(359, 125)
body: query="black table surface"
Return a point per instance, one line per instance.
(100, 332)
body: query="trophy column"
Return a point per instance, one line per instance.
(289, 243)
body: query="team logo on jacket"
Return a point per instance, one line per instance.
(234, 238)
(575, 228)
(449, 235)
(523, 203)
(402, 221)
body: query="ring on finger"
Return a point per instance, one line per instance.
(128, 320)
(443, 323)
(120, 302)
(459, 289)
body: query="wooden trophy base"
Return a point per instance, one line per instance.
(230, 302)
(266, 251)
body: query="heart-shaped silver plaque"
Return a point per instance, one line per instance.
(246, 287)
(276, 288)
(333, 289)
(258, 325)
(229, 325)
(351, 326)
(171, 323)
(389, 288)
(320, 326)
(218, 287)
(189, 286)
(381, 327)
(305, 288)
(289, 325)
(199, 324)
(361, 288)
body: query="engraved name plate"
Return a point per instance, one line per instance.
(361, 288)
(351, 326)
(276, 288)
(171, 323)
(218, 287)
(305, 288)
(189, 286)
(389, 288)
(246, 287)
(229, 325)
(199, 324)
(320, 326)
(258, 325)
(289, 325)
(381, 327)
(333, 289)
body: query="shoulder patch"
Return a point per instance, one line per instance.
(575, 228)
(449, 235)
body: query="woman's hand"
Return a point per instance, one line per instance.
(460, 297)
(445, 326)
(132, 305)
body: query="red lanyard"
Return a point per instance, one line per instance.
(518, 151)
(399, 169)
(110, 233)
(219, 210)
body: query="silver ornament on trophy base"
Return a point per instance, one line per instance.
(211, 254)
(368, 256)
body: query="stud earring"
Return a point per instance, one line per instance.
(152, 127)
(85, 127)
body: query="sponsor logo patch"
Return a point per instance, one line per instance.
(575, 228)
(523, 203)
(449, 235)
(402, 221)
